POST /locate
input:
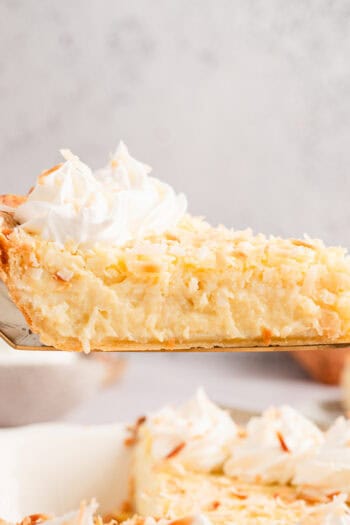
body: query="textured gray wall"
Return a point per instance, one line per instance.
(242, 104)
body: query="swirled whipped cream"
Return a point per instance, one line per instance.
(114, 205)
(273, 446)
(199, 434)
(329, 467)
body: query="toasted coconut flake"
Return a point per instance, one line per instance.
(312, 495)
(140, 421)
(133, 429)
(183, 521)
(58, 278)
(237, 494)
(176, 450)
(116, 517)
(266, 336)
(12, 201)
(334, 494)
(171, 237)
(7, 223)
(150, 268)
(242, 432)
(35, 518)
(299, 242)
(282, 442)
(64, 275)
(45, 173)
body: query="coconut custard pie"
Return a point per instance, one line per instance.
(278, 470)
(111, 260)
(193, 465)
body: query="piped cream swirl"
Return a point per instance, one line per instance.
(199, 432)
(116, 204)
(329, 467)
(273, 446)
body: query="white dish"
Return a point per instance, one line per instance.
(51, 468)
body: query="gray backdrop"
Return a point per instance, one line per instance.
(242, 104)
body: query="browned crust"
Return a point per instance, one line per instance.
(8, 245)
(7, 226)
(13, 201)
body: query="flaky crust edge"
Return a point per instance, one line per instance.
(9, 245)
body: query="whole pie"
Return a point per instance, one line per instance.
(111, 260)
(194, 465)
(280, 469)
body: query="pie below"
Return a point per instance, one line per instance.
(279, 469)
(112, 260)
(193, 465)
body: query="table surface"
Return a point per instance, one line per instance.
(249, 381)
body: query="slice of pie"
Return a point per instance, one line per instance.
(279, 469)
(111, 260)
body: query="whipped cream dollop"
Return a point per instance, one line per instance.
(114, 205)
(273, 446)
(199, 434)
(329, 467)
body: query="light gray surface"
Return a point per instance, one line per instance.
(244, 105)
(247, 381)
